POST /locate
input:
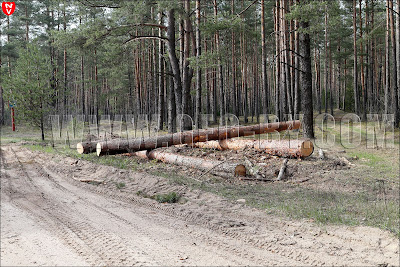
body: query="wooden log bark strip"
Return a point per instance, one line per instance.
(282, 148)
(212, 166)
(189, 137)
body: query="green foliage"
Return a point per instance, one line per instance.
(29, 88)
(120, 185)
(171, 197)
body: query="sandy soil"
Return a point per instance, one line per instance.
(49, 218)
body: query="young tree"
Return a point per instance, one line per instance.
(30, 85)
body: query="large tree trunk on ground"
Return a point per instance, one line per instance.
(189, 137)
(220, 168)
(283, 148)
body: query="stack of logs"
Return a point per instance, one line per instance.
(215, 138)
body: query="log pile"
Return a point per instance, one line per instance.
(214, 138)
(188, 137)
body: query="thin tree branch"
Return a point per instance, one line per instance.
(140, 37)
(90, 4)
(244, 10)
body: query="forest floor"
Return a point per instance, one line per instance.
(331, 211)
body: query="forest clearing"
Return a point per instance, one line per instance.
(196, 132)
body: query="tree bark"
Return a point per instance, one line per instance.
(282, 148)
(187, 70)
(355, 71)
(198, 70)
(220, 72)
(387, 65)
(306, 81)
(215, 167)
(174, 60)
(189, 137)
(264, 61)
(171, 105)
(395, 99)
(161, 104)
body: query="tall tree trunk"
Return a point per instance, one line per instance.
(297, 101)
(2, 120)
(306, 81)
(174, 60)
(395, 99)
(277, 61)
(65, 66)
(198, 70)
(161, 105)
(171, 104)
(187, 70)
(287, 69)
(398, 45)
(326, 60)
(387, 60)
(233, 48)
(355, 71)
(220, 72)
(264, 61)
(8, 42)
(364, 114)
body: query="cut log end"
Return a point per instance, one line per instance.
(85, 147)
(307, 148)
(240, 170)
(79, 148)
(98, 149)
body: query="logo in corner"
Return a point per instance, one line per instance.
(8, 8)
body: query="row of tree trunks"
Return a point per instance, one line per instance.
(220, 168)
(189, 137)
(282, 148)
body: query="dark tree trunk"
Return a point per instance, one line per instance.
(306, 81)
(387, 65)
(171, 105)
(174, 60)
(220, 73)
(187, 70)
(161, 105)
(264, 61)
(355, 71)
(395, 99)
(198, 70)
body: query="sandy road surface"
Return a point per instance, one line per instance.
(48, 218)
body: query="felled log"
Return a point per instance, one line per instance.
(86, 147)
(282, 148)
(189, 137)
(212, 166)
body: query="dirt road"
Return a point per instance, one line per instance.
(49, 218)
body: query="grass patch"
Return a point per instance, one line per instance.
(171, 197)
(120, 185)
(120, 162)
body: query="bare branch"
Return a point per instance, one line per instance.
(244, 10)
(140, 37)
(90, 4)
